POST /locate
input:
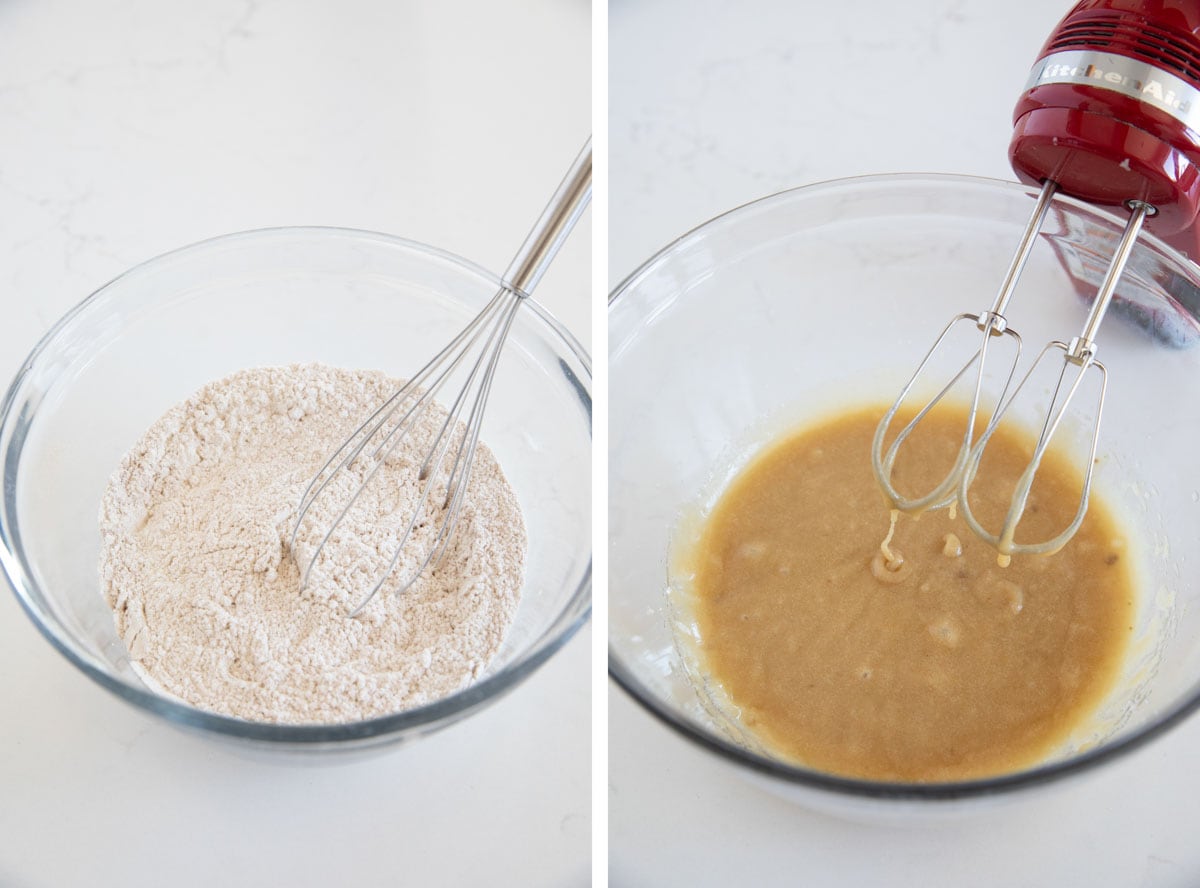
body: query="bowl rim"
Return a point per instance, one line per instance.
(800, 776)
(435, 714)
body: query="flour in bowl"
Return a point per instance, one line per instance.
(195, 526)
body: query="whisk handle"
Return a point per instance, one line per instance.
(552, 227)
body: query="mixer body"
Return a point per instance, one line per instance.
(1111, 112)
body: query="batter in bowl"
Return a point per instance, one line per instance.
(936, 665)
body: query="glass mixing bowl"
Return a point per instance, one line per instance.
(827, 295)
(356, 299)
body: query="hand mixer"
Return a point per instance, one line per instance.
(475, 352)
(1110, 114)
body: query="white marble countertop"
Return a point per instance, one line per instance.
(129, 127)
(717, 102)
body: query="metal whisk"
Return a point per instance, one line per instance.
(477, 348)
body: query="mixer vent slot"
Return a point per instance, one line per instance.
(1132, 38)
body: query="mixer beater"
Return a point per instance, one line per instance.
(991, 323)
(1110, 115)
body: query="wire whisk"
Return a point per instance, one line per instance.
(475, 350)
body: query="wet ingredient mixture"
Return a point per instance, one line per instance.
(938, 665)
(206, 595)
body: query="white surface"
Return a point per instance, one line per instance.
(717, 102)
(130, 128)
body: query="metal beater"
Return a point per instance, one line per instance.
(991, 324)
(476, 350)
(1110, 114)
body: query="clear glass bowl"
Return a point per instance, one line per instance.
(151, 337)
(830, 294)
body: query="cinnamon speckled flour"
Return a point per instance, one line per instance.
(195, 525)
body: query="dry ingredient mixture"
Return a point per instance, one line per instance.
(195, 525)
(938, 665)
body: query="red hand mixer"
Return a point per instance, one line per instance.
(1110, 115)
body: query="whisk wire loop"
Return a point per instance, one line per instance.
(459, 473)
(413, 391)
(373, 423)
(493, 330)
